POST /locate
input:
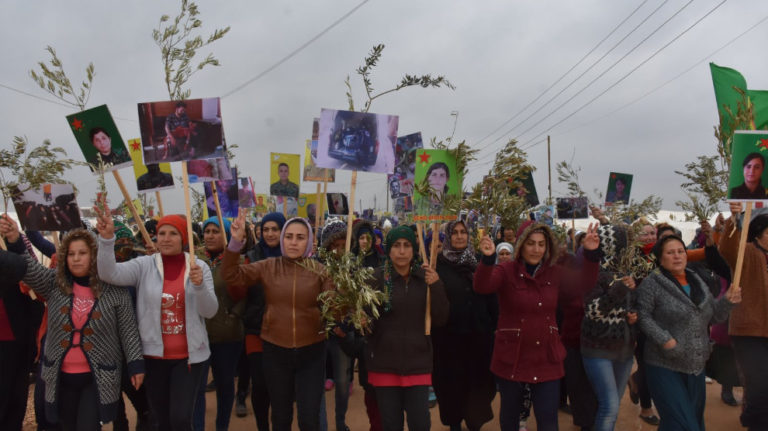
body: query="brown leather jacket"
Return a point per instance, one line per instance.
(292, 317)
(750, 317)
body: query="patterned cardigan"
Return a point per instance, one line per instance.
(109, 332)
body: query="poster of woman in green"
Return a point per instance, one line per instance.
(437, 168)
(748, 177)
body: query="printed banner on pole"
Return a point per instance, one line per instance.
(52, 207)
(357, 141)
(96, 133)
(149, 178)
(284, 174)
(438, 169)
(401, 182)
(748, 176)
(619, 187)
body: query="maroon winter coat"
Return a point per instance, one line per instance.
(527, 346)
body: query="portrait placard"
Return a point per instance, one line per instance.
(357, 141)
(96, 133)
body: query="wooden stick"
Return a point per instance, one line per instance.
(351, 202)
(188, 208)
(423, 253)
(55, 236)
(160, 211)
(325, 195)
(742, 244)
(573, 234)
(317, 213)
(2, 244)
(422, 247)
(218, 211)
(433, 246)
(134, 213)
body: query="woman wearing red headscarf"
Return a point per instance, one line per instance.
(173, 298)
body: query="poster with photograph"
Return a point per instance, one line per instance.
(261, 203)
(527, 190)
(291, 205)
(357, 141)
(619, 186)
(209, 170)
(404, 205)
(311, 171)
(337, 204)
(748, 177)
(178, 130)
(401, 182)
(96, 134)
(52, 207)
(438, 169)
(245, 193)
(307, 206)
(228, 197)
(284, 174)
(545, 214)
(572, 208)
(149, 178)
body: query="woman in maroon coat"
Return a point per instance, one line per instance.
(527, 347)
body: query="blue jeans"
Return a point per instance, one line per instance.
(608, 378)
(679, 398)
(223, 363)
(341, 378)
(545, 398)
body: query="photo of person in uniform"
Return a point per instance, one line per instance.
(102, 142)
(154, 178)
(752, 188)
(284, 187)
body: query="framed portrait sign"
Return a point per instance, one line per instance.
(748, 177)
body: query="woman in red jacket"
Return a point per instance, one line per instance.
(527, 347)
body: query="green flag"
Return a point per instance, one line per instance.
(725, 79)
(759, 100)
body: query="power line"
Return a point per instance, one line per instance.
(631, 71)
(679, 75)
(590, 68)
(562, 76)
(295, 51)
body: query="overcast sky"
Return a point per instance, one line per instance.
(500, 55)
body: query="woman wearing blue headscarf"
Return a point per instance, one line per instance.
(225, 330)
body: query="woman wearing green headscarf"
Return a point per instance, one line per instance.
(398, 353)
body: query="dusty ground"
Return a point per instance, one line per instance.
(718, 416)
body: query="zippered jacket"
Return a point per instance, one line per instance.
(292, 316)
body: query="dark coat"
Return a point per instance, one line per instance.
(398, 343)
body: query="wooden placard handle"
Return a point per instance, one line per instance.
(134, 213)
(317, 212)
(351, 202)
(160, 211)
(742, 244)
(218, 211)
(188, 209)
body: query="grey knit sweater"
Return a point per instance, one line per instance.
(109, 332)
(665, 312)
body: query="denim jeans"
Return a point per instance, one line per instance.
(341, 377)
(295, 374)
(223, 364)
(608, 378)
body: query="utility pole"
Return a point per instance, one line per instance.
(549, 172)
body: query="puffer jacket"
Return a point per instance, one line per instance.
(227, 325)
(666, 312)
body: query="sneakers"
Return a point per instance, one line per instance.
(432, 397)
(240, 409)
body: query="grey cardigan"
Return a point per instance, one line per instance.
(666, 312)
(146, 273)
(109, 332)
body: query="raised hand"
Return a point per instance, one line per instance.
(237, 229)
(591, 240)
(8, 228)
(486, 246)
(104, 223)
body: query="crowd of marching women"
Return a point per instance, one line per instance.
(525, 314)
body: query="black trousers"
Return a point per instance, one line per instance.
(172, 386)
(78, 401)
(752, 357)
(295, 374)
(583, 399)
(411, 400)
(259, 393)
(14, 380)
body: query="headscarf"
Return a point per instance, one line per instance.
(266, 250)
(465, 257)
(310, 237)
(400, 232)
(215, 220)
(125, 242)
(503, 246)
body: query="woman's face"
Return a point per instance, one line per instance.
(504, 255)
(79, 258)
(271, 233)
(753, 171)
(647, 234)
(534, 248)
(295, 240)
(401, 253)
(437, 179)
(762, 240)
(168, 240)
(673, 257)
(214, 240)
(459, 237)
(620, 187)
(102, 142)
(364, 242)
